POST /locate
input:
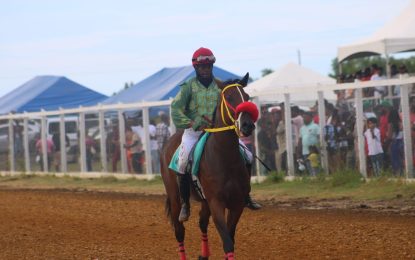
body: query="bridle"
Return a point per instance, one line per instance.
(225, 110)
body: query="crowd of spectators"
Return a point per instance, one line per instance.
(383, 132)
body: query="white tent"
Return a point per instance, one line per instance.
(292, 76)
(396, 36)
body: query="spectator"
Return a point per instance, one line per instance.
(309, 135)
(50, 147)
(115, 147)
(330, 136)
(379, 91)
(314, 160)
(281, 158)
(395, 135)
(267, 145)
(90, 148)
(374, 145)
(155, 157)
(56, 139)
(134, 148)
(342, 142)
(162, 131)
(297, 123)
(385, 107)
(18, 138)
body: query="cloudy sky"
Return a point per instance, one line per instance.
(103, 44)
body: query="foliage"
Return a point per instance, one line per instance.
(266, 71)
(275, 177)
(352, 66)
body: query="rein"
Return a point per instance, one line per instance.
(226, 105)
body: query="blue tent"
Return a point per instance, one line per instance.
(162, 85)
(48, 93)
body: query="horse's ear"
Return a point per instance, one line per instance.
(219, 83)
(244, 80)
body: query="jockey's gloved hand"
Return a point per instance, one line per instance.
(199, 124)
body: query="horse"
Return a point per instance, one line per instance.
(223, 173)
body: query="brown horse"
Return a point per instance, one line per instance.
(223, 173)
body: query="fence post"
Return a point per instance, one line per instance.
(26, 144)
(62, 138)
(82, 145)
(288, 135)
(103, 143)
(11, 145)
(322, 122)
(407, 131)
(256, 144)
(172, 125)
(146, 121)
(44, 142)
(121, 127)
(359, 129)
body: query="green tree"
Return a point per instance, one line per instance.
(352, 66)
(266, 71)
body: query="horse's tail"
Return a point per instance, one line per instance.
(167, 209)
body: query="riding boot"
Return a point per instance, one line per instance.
(184, 188)
(252, 204)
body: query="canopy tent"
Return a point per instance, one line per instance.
(48, 93)
(396, 36)
(291, 76)
(162, 85)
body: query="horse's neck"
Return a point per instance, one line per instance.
(224, 138)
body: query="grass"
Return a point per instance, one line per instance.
(339, 185)
(154, 186)
(343, 184)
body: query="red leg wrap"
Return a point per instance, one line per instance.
(205, 246)
(182, 251)
(230, 256)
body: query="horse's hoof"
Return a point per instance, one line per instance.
(203, 258)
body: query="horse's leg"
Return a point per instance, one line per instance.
(179, 230)
(233, 219)
(204, 215)
(218, 215)
(173, 207)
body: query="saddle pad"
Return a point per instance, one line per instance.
(197, 154)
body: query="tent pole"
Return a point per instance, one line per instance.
(388, 75)
(288, 135)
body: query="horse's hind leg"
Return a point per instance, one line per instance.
(204, 215)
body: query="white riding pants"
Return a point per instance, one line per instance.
(189, 139)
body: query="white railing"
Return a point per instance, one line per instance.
(145, 106)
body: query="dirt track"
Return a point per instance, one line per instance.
(85, 225)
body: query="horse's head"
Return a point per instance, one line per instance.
(235, 107)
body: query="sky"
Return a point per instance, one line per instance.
(103, 44)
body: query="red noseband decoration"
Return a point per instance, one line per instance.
(249, 108)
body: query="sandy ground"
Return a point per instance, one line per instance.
(53, 224)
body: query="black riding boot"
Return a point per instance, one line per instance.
(184, 188)
(252, 204)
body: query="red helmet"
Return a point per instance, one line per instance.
(203, 56)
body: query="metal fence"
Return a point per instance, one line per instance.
(26, 135)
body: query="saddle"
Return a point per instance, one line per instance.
(193, 163)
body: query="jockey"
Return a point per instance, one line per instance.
(192, 110)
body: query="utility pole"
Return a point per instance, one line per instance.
(299, 56)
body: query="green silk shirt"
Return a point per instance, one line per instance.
(193, 102)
